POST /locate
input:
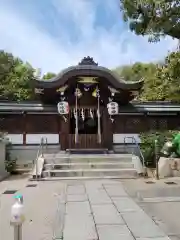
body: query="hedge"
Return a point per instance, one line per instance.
(147, 144)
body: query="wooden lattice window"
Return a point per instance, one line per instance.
(133, 125)
(163, 124)
(153, 124)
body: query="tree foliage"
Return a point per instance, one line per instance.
(155, 18)
(15, 78)
(161, 81)
(49, 75)
(165, 83)
(137, 71)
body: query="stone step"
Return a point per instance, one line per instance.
(84, 156)
(90, 172)
(123, 176)
(89, 165)
(23, 170)
(87, 159)
(87, 151)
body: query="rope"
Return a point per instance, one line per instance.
(98, 115)
(76, 116)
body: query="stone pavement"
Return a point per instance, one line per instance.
(41, 209)
(160, 201)
(81, 210)
(103, 210)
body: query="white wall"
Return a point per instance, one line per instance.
(54, 138)
(36, 138)
(27, 154)
(33, 138)
(15, 138)
(119, 138)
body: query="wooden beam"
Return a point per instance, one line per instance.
(59, 127)
(24, 128)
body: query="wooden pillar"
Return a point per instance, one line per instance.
(24, 127)
(64, 138)
(59, 128)
(107, 130)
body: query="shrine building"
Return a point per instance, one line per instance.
(86, 106)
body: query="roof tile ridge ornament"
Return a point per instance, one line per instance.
(88, 61)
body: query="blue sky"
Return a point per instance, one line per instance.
(54, 34)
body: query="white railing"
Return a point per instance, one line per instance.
(42, 146)
(137, 147)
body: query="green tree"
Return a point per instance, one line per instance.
(16, 78)
(6, 65)
(136, 71)
(161, 81)
(49, 75)
(165, 83)
(155, 18)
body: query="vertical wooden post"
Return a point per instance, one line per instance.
(156, 158)
(24, 128)
(59, 128)
(64, 133)
(107, 130)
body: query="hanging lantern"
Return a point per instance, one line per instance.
(113, 108)
(63, 108)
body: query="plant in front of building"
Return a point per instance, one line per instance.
(2, 136)
(148, 144)
(10, 163)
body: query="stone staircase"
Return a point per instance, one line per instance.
(65, 166)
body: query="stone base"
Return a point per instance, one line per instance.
(169, 167)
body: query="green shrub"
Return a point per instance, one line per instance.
(147, 144)
(10, 163)
(2, 136)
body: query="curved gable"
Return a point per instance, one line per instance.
(87, 67)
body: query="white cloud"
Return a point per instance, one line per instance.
(23, 37)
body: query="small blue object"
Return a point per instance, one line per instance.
(18, 196)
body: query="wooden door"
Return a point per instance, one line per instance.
(85, 141)
(88, 141)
